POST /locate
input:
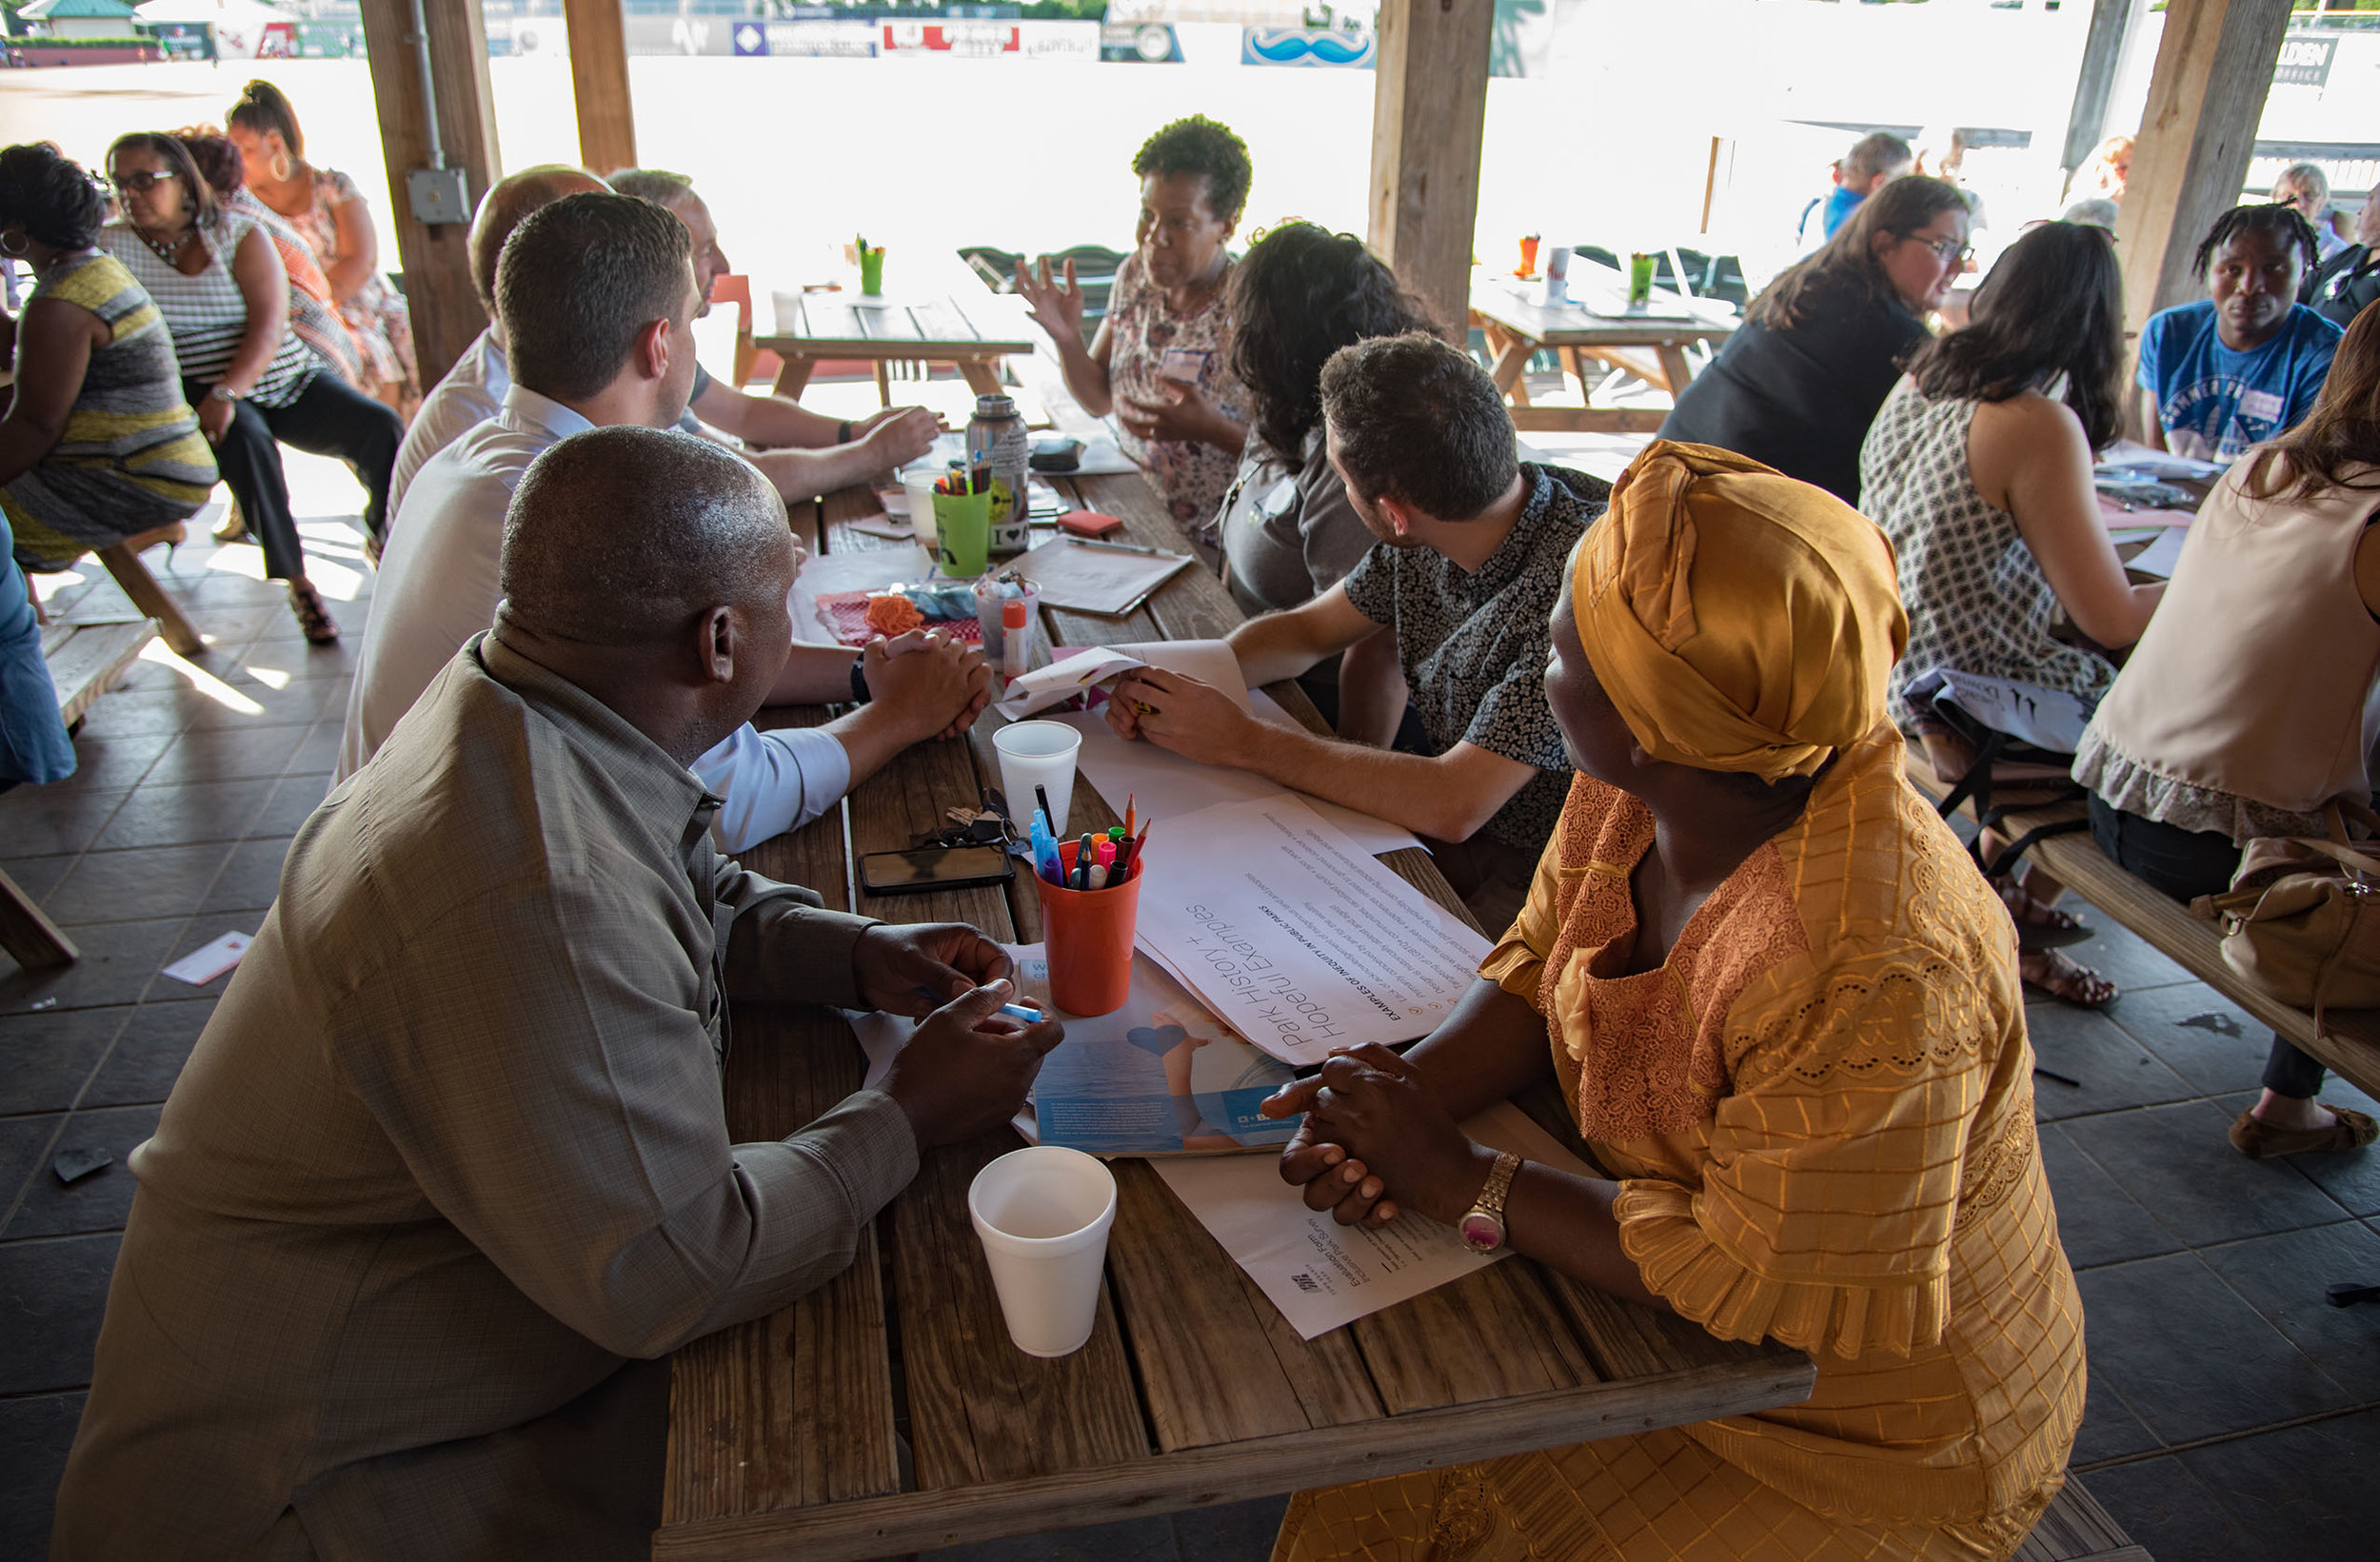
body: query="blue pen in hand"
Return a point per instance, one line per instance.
(1015, 1011)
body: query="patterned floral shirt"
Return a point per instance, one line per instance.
(1144, 332)
(1473, 643)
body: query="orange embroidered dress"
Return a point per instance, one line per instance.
(1820, 1113)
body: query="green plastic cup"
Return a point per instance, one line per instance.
(872, 270)
(962, 532)
(1640, 278)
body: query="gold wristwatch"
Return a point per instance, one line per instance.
(1482, 1225)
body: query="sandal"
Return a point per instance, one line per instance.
(231, 528)
(2062, 979)
(313, 618)
(2040, 925)
(2260, 1140)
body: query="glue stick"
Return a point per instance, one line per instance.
(1016, 637)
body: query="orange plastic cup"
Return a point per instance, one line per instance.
(1087, 933)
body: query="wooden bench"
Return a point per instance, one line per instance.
(2349, 1043)
(84, 660)
(2076, 1529)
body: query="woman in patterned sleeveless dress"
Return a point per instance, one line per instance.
(1783, 1010)
(97, 445)
(331, 214)
(1978, 468)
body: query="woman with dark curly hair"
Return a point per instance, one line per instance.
(1158, 361)
(97, 445)
(224, 294)
(1285, 530)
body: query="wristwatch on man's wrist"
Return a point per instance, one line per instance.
(1482, 1225)
(223, 393)
(860, 695)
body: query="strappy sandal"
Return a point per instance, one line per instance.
(2260, 1140)
(313, 618)
(2040, 925)
(2062, 979)
(233, 526)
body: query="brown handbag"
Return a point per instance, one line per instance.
(2302, 919)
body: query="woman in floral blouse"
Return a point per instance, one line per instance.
(1161, 361)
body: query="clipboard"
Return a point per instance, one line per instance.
(1086, 578)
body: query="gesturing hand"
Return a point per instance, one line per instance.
(889, 965)
(1056, 307)
(1379, 1112)
(966, 1069)
(1186, 415)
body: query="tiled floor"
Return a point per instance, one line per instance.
(2233, 1414)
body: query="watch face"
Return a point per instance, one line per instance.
(1481, 1232)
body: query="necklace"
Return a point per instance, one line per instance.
(166, 251)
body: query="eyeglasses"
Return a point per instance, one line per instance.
(143, 181)
(1949, 251)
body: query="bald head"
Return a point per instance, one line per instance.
(507, 201)
(628, 535)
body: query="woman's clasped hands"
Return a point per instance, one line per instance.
(1376, 1140)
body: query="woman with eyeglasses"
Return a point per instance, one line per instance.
(224, 295)
(1979, 471)
(1796, 387)
(97, 444)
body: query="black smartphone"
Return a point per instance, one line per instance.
(934, 867)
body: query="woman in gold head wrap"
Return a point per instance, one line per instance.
(1783, 1009)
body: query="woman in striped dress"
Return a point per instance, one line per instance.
(224, 295)
(97, 445)
(314, 308)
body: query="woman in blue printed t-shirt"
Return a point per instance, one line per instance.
(2238, 367)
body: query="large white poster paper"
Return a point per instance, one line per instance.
(1294, 935)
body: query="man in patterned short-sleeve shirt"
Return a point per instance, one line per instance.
(1470, 558)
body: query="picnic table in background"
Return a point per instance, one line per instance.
(1595, 323)
(787, 1434)
(961, 324)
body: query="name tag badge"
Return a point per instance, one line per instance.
(2264, 405)
(1183, 366)
(1274, 501)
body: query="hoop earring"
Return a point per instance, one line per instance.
(22, 248)
(282, 168)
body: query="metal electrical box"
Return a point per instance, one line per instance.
(439, 195)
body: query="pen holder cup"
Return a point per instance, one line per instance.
(1088, 936)
(963, 533)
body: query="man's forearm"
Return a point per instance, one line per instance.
(805, 474)
(1404, 789)
(772, 422)
(815, 675)
(872, 735)
(1275, 646)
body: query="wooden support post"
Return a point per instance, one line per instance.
(1429, 111)
(446, 307)
(599, 85)
(2214, 66)
(2103, 49)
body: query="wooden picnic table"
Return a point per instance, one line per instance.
(966, 326)
(1651, 345)
(888, 1413)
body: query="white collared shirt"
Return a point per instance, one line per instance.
(470, 394)
(439, 585)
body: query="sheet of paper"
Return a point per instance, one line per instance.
(2131, 456)
(1319, 1273)
(210, 959)
(1295, 935)
(1073, 669)
(1091, 578)
(1164, 785)
(2159, 557)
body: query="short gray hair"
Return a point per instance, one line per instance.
(658, 184)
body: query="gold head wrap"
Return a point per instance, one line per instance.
(1740, 620)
